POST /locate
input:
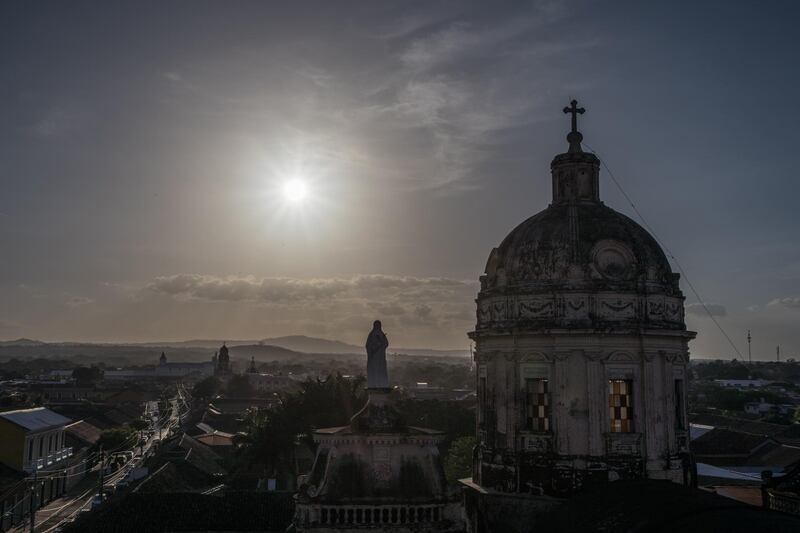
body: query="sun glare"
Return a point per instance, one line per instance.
(295, 191)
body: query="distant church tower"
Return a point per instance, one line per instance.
(252, 369)
(223, 362)
(162, 360)
(581, 349)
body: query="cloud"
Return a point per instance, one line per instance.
(56, 122)
(417, 310)
(9, 326)
(288, 290)
(78, 301)
(792, 302)
(697, 309)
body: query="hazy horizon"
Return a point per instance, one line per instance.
(188, 170)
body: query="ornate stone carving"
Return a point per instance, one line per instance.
(611, 307)
(561, 356)
(655, 308)
(535, 308)
(534, 357)
(621, 356)
(623, 443)
(482, 356)
(485, 311)
(673, 309)
(499, 309)
(594, 356)
(613, 259)
(537, 443)
(576, 307)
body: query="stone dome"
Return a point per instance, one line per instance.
(590, 245)
(578, 263)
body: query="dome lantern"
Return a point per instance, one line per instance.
(575, 173)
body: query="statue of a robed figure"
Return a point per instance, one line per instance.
(379, 414)
(377, 375)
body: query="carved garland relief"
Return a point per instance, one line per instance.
(580, 307)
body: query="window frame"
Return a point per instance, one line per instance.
(679, 399)
(629, 418)
(529, 418)
(535, 371)
(483, 396)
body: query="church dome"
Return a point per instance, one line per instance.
(564, 245)
(578, 263)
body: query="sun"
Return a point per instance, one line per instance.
(295, 191)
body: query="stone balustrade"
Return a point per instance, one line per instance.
(346, 516)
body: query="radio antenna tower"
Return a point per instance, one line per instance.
(749, 353)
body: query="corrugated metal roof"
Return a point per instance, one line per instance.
(35, 419)
(84, 431)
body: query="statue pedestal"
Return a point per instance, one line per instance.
(379, 414)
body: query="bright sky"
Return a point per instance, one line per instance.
(206, 169)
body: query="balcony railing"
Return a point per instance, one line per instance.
(344, 516)
(49, 459)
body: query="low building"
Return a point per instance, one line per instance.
(272, 384)
(785, 434)
(165, 370)
(33, 453)
(71, 392)
(217, 440)
(742, 383)
(762, 408)
(32, 439)
(82, 437)
(732, 463)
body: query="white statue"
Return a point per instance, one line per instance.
(377, 376)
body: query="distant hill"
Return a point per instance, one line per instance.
(213, 344)
(200, 348)
(301, 343)
(22, 342)
(263, 352)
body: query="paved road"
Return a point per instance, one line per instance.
(79, 498)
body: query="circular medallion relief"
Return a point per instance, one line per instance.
(612, 259)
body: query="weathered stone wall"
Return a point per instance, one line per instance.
(580, 447)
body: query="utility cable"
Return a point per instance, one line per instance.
(668, 251)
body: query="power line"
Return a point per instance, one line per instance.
(668, 251)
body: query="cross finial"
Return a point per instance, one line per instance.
(574, 137)
(575, 111)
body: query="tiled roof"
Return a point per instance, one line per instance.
(726, 442)
(217, 438)
(652, 505)
(788, 434)
(36, 419)
(780, 456)
(201, 456)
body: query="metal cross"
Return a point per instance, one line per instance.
(575, 111)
